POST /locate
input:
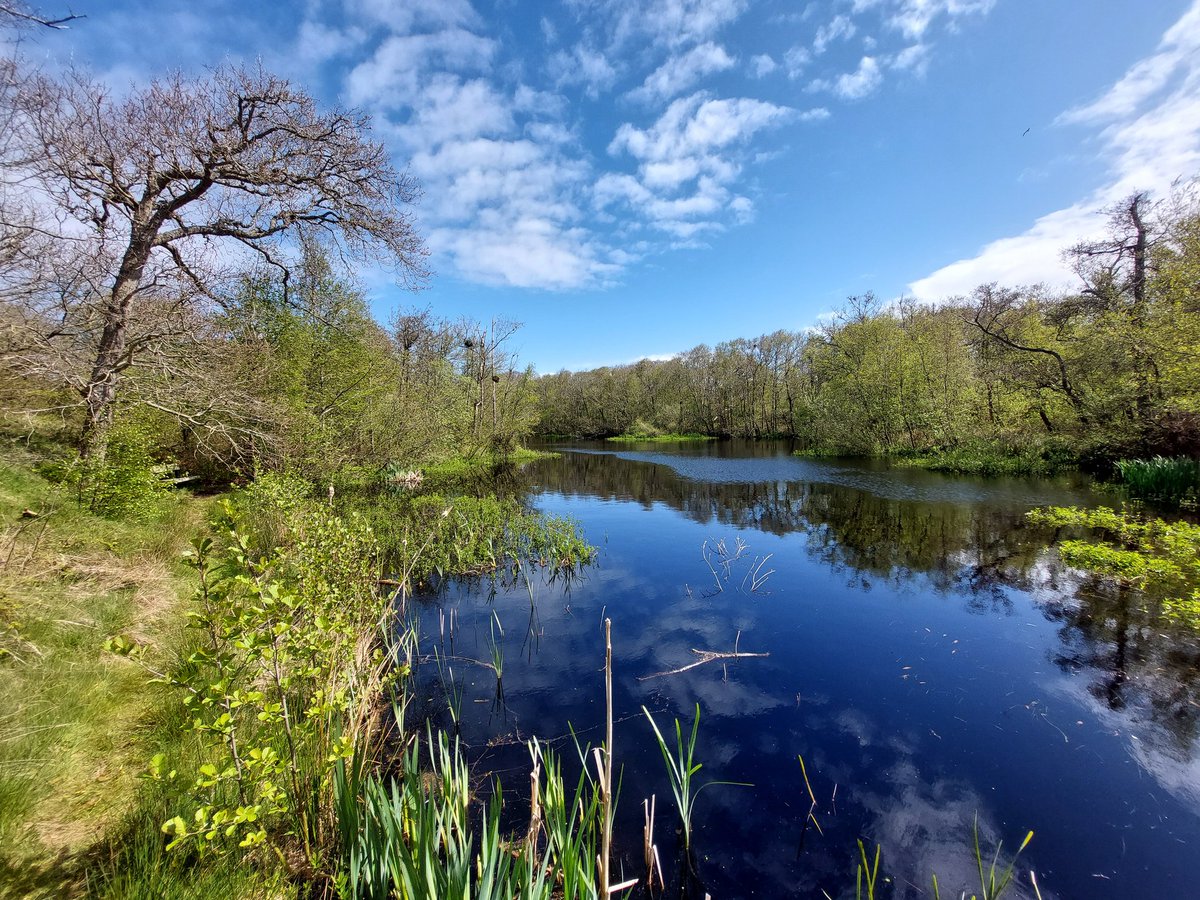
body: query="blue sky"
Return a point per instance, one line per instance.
(632, 178)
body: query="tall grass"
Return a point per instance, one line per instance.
(1175, 480)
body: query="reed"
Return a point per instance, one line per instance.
(496, 651)
(991, 884)
(681, 769)
(866, 873)
(1170, 480)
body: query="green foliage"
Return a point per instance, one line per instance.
(121, 479)
(992, 461)
(1159, 556)
(1105, 372)
(1169, 480)
(413, 836)
(681, 767)
(280, 685)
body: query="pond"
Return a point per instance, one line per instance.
(931, 661)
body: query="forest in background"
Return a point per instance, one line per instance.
(1092, 375)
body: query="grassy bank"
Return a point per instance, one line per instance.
(81, 722)
(993, 461)
(672, 438)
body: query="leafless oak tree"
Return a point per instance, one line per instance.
(142, 203)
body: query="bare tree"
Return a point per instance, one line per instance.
(152, 195)
(23, 14)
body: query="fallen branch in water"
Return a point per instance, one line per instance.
(706, 656)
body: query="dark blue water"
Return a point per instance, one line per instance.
(931, 661)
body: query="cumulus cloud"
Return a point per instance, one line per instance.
(511, 196)
(681, 72)
(696, 126)
(686, 161)
(394, 75)
(1149, 125)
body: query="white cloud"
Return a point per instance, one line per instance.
(585, 66)
(672, 23)
(681, 72)
(510, 195)
(686, 159)
(696, 126)
(1150, 135)
(404, 17)
(1145, 78)
(816, 114)
(529, 253)
(853, 85)
(317, 42)
(839, 28)
(913, 17)
(762, 65)
(914, 58)
(795, 59)
(394, 75)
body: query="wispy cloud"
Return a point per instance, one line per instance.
(839, 28)
(681, 72)
(669, 23)
(855, 85)
(1145, 78)
(583, 65)
(914, 17)
(1150, 136)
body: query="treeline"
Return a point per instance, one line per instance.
(1103, 371)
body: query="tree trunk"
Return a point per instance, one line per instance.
(101, 388)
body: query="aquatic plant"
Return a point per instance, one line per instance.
(681, 768)
(867, 872)
(1170, 480)
(1148, 552)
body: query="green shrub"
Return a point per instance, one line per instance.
(123, 480)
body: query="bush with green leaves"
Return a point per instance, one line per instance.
(293, 658)
(123, 479)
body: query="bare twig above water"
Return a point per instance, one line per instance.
(706, 656)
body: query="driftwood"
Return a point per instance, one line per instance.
(706, 656)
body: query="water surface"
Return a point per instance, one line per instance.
(928, 657)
